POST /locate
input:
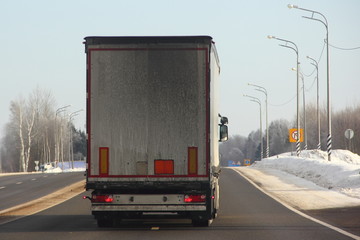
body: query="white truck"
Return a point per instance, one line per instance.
(153, 128)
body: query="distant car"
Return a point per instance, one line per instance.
(45, 167)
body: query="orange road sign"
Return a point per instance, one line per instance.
(293, 135)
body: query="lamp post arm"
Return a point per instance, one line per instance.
(311, 58)
(75, 113)
(319, 20)
(315, 65)
(62, 109)
(308, 10)
(312, 16)
(262, 89)
(253, 98)
(284, 40)
(295, 49)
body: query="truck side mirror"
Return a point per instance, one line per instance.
(224, 120)
(223, 133)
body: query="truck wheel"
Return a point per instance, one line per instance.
(215, 214)
(201, 223)
(104, 222)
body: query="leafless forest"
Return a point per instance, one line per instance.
(38, 132)
(239, 147)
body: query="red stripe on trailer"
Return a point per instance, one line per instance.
(207, 104)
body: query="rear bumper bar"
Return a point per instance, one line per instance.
(149, 208)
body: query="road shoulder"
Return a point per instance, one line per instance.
(326, 207)
(42, 203)
(297, 192)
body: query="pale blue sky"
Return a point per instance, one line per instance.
(41, 45)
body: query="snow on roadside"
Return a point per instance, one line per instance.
(77, 166)
(341, 174)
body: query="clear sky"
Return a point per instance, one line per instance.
(41, 45)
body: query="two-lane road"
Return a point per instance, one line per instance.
(246, 213)
(21, 188)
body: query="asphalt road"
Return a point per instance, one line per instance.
(22, 188)
(246, 213)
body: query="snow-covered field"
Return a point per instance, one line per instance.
(310, 181)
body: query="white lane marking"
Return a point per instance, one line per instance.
(18, 183)
(2, 188)
(34, 179)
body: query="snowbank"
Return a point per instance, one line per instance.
(309, 181)
(341, 174)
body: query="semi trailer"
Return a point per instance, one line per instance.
(153, 128)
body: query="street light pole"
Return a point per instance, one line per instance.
(304, 110)
(71, 143)
(315, 63)
(304, 107)
(255, 99)
(329, 141)
(263, 90)
(57, 144)
(295, 48)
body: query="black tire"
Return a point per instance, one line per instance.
(201, 223)
(215, 214)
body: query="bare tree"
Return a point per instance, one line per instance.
(347, 118)
(232, 150)
(31, 120)
(44, 125)
(31, 132)
(17, 115)
(26, 118)
(10, 150)
(253, 146)
(279, 137)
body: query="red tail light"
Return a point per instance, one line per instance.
(102, 198)
(194, 198)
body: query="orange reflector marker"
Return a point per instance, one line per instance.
(104, 160)
(164, 166)
(192, 160)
